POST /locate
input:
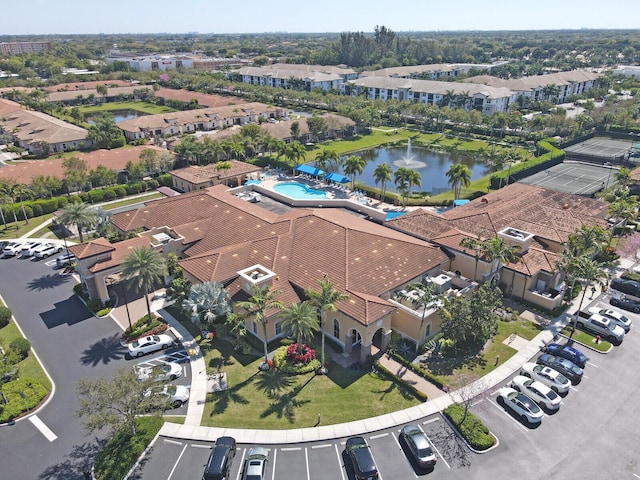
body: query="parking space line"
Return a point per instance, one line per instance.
(382, 435)
(593, 365)
(177, 461)
(306, 461)
(396, 438)
(322, 446)
(504, 411)
(637, 476)
(175, 442)
(438, 452)
(291, 449)
(573, 388)
(340, 461)
(275, 456)
(44, 430)
(195, 445)
(244, 451)
(437, 419)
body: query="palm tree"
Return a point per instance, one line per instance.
(587, 240)
(12, 191)
(206, 302)
(301, 321)
(262, 300)
(294, 152)
(414, 179)
(623, 176)
(354, 165)
(587, 271)
(143, 267)
(498, 252)
(495, 161)
(401, 181)
(79, 214)
(327, 160)
(459, 175)
(426, 296)
(477, 246)
(325, 300)
(382, 175)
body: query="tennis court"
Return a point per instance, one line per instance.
(573, 177)
(600, 147)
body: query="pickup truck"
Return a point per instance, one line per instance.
(599, 325)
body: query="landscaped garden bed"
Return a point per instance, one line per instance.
(474, 432)
(145, 326)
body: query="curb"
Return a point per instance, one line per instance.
(459, 435)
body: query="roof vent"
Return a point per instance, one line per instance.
(484, 200)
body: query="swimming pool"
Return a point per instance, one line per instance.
(392, 215)
(299, 191)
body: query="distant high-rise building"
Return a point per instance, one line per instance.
(16, 48)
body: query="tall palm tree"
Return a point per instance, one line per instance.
(262, 300)
(588, 272)
(382, 175)
(587, 240)
(477, 245)
(495, 161)
(414, 179)
(401, 181)
(142, 268)
(325, 300)
(14, 191)
(353, 166)
(328, 160)
(294, 152)
(426, 296)
(206, 302)
(79, 214)
(498, 252)
(458, 176)
(301, 321)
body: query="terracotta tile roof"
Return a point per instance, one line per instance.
(94, 247)
(301, 246)
(203, 99)
(121, 250)
(282, 129)
(32, 126)
(68, 95)
(116, 159)
(9, 106)
(548, 214)
(199, 174)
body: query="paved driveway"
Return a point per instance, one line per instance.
(71, 343)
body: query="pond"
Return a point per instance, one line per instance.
(432, 166)
(118, 115)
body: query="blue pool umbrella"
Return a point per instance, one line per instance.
(308, 169)
(336, 177)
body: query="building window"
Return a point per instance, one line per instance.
(278, 328)
(336, 328)
(427, 332)
(254, 328)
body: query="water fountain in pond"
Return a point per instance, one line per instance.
(408, 161)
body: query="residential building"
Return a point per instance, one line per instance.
(486, 99)
(144, 63)
(38, 132)
(629, 71)
(91, 95)
(536, 220)
(298, 77)
(18, 48)
(221, 237)
(188, 97)
(199, 120)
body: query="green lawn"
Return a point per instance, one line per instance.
(586, 339)
(10, 231)
(130, 201)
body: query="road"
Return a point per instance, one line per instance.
(72, 343)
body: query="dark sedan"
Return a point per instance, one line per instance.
(562, 365)
(625, 303)
(568, 352)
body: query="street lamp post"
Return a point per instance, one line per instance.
(608, 164)
(126, 305)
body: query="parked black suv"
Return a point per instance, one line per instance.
(361, 458)
(220, 459)
(628, 287)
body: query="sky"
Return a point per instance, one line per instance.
(257, 16)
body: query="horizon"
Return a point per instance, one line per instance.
(144, 17)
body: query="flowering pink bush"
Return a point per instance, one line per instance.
(300, 353)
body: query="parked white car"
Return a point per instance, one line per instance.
(547, 375)
(47, 250)
(160, 373)
(12, 249)
(177, 395)
(524, 407)
(620, 319)
(29, 248)
(537, 391)
(148, 344)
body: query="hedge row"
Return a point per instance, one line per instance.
(417, 369)
(417, 393)
(472, 429)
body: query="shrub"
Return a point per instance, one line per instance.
(96, 196)
(109, 195)
(281, 362)
(21, 347)
(49, 206)
(121, 192)
(145, 326)
(118, 142)
(95, 305)
(133, 188)
(472, 429)
(635, 276)
(166, 180)
(84, 196)
(62, 202)
(300, 353)
(386, 373)
(152, 184)
(37, 209)
(423, 372)
(28, 211)
(5, 316)
(22, 395)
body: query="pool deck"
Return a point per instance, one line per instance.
(336, 196)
